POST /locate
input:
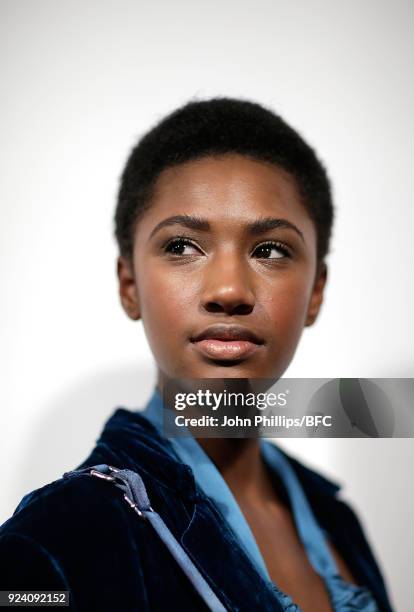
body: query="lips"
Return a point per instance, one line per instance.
(229, 342)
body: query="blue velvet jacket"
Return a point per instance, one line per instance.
(78, 534)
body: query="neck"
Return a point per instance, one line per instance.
(240, 463)
(238, 460)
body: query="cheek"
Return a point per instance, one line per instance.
(286, 306)
(165, 305)
(286, 309)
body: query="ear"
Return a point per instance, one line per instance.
(128, 290)
(317, 294)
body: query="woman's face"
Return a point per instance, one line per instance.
(188, 276)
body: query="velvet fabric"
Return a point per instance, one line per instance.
(78, 534)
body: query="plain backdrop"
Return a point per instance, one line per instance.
(80, 82)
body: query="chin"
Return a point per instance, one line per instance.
(229, 369)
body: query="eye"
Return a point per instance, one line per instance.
(267, 247)
(175, 247)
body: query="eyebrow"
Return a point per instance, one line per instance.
(202, 225)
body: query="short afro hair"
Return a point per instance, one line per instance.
(214, 127)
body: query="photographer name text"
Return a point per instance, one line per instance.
(306, 420)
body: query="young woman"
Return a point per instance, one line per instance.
(223, 223)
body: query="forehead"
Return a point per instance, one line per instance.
(229, 191)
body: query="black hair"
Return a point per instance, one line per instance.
(215, 127)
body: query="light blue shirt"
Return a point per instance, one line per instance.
(344, 596)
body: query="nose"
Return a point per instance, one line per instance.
(227, 286)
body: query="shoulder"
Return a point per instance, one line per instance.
(339, 518)
(77, 500)
(313, 482)
(79, 508)
(65, 505)
(76, 535)
(31, 538)
(61, 532)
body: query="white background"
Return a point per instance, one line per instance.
(80, 81)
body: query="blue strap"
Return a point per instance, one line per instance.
(135, 494)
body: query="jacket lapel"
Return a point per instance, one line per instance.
(130, 441)
(211, 544)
